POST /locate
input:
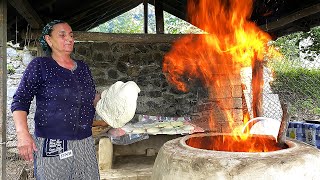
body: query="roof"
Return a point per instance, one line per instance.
(278, 17)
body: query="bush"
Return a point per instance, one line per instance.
(301, 88)
(10, 69)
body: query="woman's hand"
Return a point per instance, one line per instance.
(96, 99)
(26, 145)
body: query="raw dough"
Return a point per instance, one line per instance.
(138, 131)
(162, 124)
(176, 123)
(169, 131)
(153, 130)
(188, 128)
(118, 104)
(168, 126)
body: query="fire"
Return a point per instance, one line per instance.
(225, 142)
(231, 43)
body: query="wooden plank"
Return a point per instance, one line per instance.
(119, 38)
(159, 16)
(26, 11)
(257, 88)
(3, 85)
(272, 26)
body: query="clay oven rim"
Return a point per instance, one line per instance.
(182, 143)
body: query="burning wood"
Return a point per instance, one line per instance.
(231, 43)
(283, 126)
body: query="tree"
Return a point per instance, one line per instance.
(132, 22)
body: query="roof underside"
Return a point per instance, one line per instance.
(278, 17)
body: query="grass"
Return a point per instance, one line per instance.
(299, 86)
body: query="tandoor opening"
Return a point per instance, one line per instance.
(231, 143)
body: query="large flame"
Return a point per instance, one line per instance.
(231, 42)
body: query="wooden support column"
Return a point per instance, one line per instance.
(257, 88)
(145, 5)
(3, 86)
(159, 16)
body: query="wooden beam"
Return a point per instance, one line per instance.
(113, 11)
(291, 18)
(145, 16)
(3, 85)
(25, 10)
(159, 16)
(119, 38)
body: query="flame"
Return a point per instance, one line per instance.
(226, 142)
(231, 43)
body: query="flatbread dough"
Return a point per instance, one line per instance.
(188, 128)
(118, 104)
(176, 123)
(153, 130)
(169, 126)
(138, 131)
(162, 124)
(169, 131)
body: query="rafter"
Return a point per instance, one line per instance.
(25, 10)
(291, 18)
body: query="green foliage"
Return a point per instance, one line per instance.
(299, 81)
(10, 69)
(129, 22)
(314, 35)
(300, 87)
(174, 25)
(133, 22)
(295, 82)
(289, 44)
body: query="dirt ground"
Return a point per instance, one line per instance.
(15, 167)
(124, 167)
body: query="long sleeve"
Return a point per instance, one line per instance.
(28, 87)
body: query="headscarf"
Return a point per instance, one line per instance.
(47, 29)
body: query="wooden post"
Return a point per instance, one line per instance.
(281, 138)
(3, 86)
(159, 16)
(257, 88)
(145, 5)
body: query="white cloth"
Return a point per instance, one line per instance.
(118, 104)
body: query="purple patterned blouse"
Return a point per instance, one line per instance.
(64, 98)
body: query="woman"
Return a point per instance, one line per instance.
(62, 146)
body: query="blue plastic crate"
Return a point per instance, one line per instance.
(296, 131)
(306, 132)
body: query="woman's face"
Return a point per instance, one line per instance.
(61, 39)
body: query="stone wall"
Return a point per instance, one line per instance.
(17, 61)
(124, 58)
(139, 62)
